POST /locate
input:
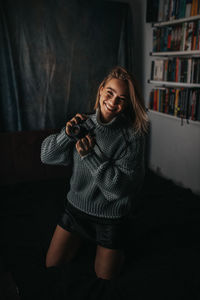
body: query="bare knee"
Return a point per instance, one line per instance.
(108, 262)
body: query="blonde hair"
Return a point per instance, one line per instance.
(135, 110)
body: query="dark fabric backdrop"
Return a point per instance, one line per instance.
(54, 54)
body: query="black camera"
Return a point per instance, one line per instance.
(80, 130)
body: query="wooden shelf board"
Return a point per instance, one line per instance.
(177, 53)
(174, 22)
(174, 84)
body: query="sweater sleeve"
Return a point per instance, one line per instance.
(117, 179)
(56, 149)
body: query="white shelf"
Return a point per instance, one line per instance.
(174, 84)
(177, 53)
(174, 22)
(188, 122)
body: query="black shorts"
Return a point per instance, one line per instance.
(108, 233)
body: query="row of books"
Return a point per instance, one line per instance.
(176, 69)
(179, 102)
(180, 37)
(177, 9)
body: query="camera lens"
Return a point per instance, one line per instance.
(75, 130)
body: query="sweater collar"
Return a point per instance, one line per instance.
(116, 123)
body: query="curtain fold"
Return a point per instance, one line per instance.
(53, 56)
(10, 114)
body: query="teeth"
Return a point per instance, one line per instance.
(109, 107)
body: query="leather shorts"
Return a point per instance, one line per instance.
(108, 233)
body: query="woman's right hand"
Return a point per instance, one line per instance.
(75, 120)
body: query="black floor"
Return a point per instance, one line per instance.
(162, 256)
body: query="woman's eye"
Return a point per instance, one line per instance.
(110, 93)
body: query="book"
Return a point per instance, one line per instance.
(176, 102)
(189, 70)
(169, 38)
(188, 8)
(152, 70)
(183, 35)
(161, 10)
(198, 36)
(150, 106)
(194, 36)
(182, 9)
(173, 10)
(158, 69)
(155, 40)
(177, 8)
(196, 7)
(177, 69)
(193, 8)
(189, 36)
(155, 100)
(193, 106)
(165, 13)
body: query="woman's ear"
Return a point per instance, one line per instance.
(101, 90)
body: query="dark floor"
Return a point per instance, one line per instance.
(162, 257)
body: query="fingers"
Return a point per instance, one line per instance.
(85, 145)
(75, 120)
(91, 140)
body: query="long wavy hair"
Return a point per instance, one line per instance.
(135, 110)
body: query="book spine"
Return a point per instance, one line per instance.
(189, 35)
(189, 70)
(161, 11)
(152, 70)
(182, 9)
(193, 8)
(176, 102)
(198, 36)
(183, 35)
(188, 8)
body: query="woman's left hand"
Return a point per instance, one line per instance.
(85, 145)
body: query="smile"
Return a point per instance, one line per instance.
(110, 108)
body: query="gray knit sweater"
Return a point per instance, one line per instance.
(105, 181)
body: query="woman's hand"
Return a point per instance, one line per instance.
(85, 145)
(75, 120)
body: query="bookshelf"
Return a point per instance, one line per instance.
(175, 64)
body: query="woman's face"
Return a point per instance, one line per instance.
(113, 99)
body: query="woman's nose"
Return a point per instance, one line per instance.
(114, 100)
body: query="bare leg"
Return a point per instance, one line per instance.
(108, 262)
(63, 247)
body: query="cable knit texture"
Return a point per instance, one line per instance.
(105, 181)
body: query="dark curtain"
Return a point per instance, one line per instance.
(53, 56)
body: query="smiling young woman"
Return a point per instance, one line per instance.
(108, 171)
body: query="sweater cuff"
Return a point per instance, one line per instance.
(63, 139)
(92, 161)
